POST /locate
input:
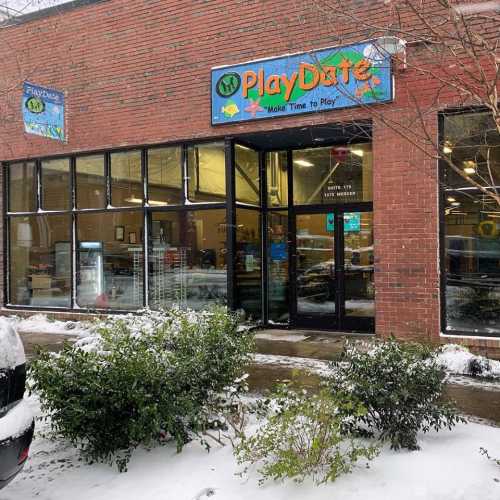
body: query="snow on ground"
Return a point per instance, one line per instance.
(449, 467)
(460, 361)
(314, 366)
(39, 323)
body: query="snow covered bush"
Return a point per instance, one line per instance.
(303, 436)
(138, 380)
(401, 386)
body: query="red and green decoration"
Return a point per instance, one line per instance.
(327, 79)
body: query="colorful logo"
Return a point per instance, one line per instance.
(228, 84)
(35, 105)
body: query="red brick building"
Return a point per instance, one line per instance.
(166, 189)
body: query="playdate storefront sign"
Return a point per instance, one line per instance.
(322, 80)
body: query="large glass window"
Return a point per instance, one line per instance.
(207, 172)
(472, 225)
(126, 179)
(187, 258)
(277, 256)
(246, 173)
(22, 187)
(110, 260)
(164, 176)
(277, 179)
(90, 182)
(40, 260)
(248, 262)
(332, 175)
(55, 185)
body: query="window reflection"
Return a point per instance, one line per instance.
(207, 172)
(248, 263)
(90, 182)
(246, 172)
(56, 185)
(277, 179)
(337, 174)
(22, 187)
(188, 259)
(110, 260)
(40, 260)
(278, 302)
(126, 179)
(164, 176)
(472, 225)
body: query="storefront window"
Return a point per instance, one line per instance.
(472, 225)
(126, 179)
(332, 175)
(55, 185)
(40, 260)
(246, 170)
(207, 172)
(277, 179)
(277, 254)
(110, 260)
(22, 187)
(164, 176)
(90, 182)
(248, 263)
(187, 258)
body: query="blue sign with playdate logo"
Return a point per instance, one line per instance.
(321, 80)
(43, 111)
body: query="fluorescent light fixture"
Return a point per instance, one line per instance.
(470, 166)
(447, 149)
(450, 198)
(455, 204)
(133, 199)
(303, 163)
(358, 152)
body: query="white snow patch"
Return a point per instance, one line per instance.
(281, 337)
(16, 421)
(39, 323)
(316, 366)
(458, 360)
(11, 347)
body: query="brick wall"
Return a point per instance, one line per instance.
(138, 72)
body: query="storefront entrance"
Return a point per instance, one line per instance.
(332, 270)
(317, 235)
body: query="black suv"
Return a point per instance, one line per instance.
(16, 420)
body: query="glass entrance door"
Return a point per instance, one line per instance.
(332, 276)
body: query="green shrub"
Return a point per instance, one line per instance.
(401, 386)
(137, 380)
(302, 436)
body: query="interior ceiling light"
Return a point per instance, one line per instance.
(450, 198)
(469, 170)
(303, 163)
(455, 204)
(243, 147)
(358, 152)
(133, 199)
(447, 149)
(470, 167)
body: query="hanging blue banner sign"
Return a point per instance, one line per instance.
(43, 111)
(322, 80)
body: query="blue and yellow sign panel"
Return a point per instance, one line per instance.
(43, 111)
(322, 80)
